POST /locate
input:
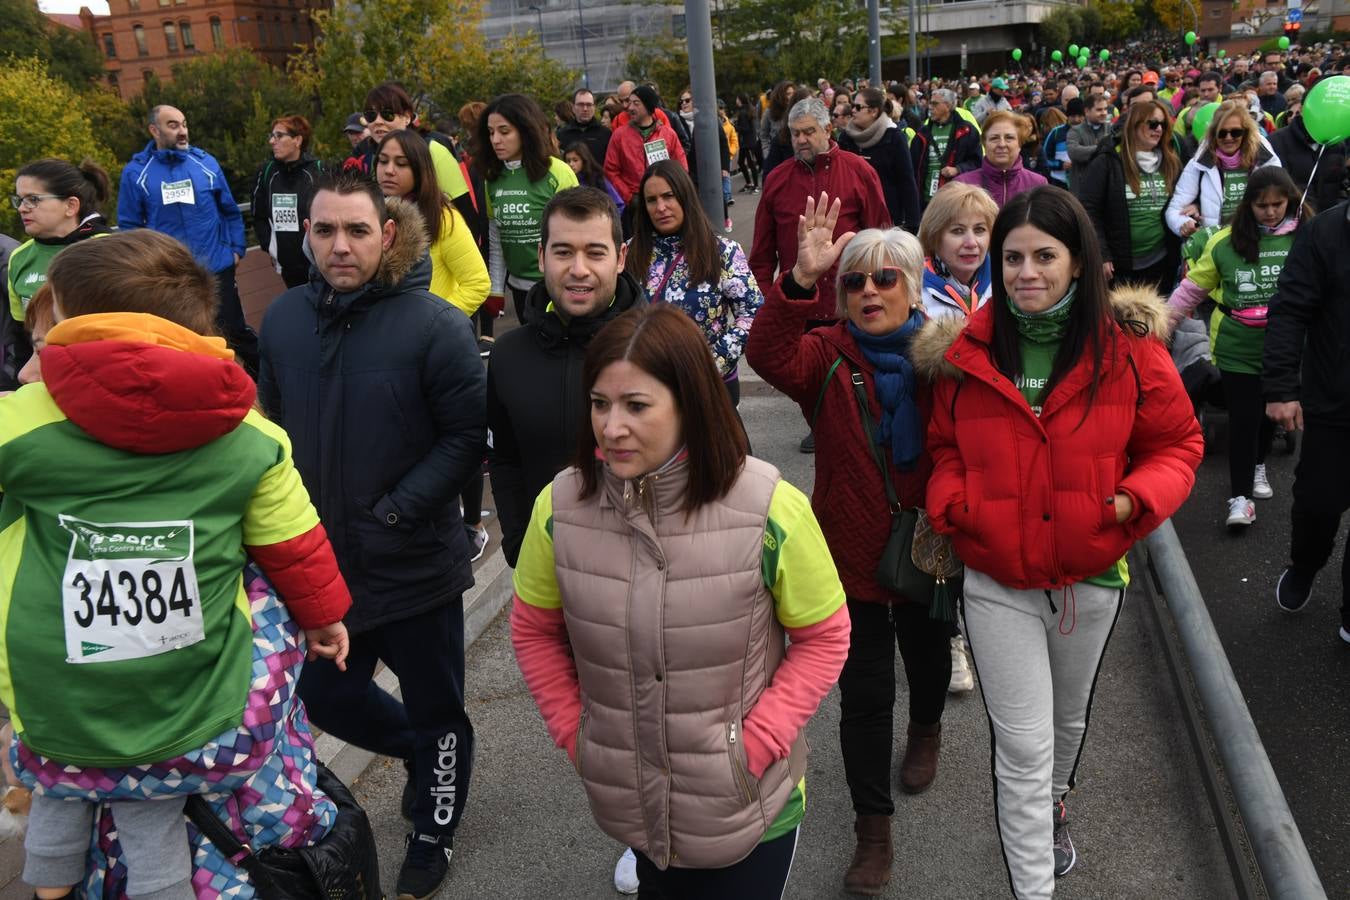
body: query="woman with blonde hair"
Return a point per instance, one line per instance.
(833, 373)
(1125, 190)
(1216, 177)
(954, 235)
(1001, 172)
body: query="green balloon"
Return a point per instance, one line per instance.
(1104, 55)
(1326, 110)
(1082, 62)
(1191, 38)
(1284, 43)
(1073, 49)
(1017, 54)
(1222, 54)
(1200, 124)
(1057, 56)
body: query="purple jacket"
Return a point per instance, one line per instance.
(1001, 185)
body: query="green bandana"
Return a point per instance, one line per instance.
(1047, 326)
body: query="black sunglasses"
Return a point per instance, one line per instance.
(686, 99)
(1227, 133)
(387, 113)
(859, 107)
(886, 276)
(1156, 124)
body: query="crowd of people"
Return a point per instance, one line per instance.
(970, 290)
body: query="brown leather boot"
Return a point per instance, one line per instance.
(919, 767)
(871, 866)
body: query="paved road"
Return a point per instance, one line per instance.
(1293, 670)
(1143, 827)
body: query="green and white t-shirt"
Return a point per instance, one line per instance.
(1234, 186)
(1146, 216)
(937, 149)
(516, 205)
(1236, 283)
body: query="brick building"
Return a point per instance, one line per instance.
(139, 37)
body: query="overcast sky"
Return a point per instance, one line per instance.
(99, 7)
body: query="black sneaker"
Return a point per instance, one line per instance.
(1065, 856)
(485, 345)
(409, 792)
(424, 866)
(1292, 591)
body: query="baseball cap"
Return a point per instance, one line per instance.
(1150, 77)
(354, 124)
(999, 84)
(973, 86)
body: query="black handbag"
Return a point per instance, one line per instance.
(916, 562)
(343, 866)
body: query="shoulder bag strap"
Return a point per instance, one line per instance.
(240, 854)
(820, 398)
(878, 455)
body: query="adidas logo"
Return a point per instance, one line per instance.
(88, 648)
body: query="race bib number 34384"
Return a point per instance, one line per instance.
(129, 590)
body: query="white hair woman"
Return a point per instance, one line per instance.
(880, 308)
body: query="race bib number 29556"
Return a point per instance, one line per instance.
(129, 590)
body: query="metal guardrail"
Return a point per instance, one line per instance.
(1273, 837)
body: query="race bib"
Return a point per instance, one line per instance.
(656, 151)
(285, 212)
(129, 590)
(177, 192)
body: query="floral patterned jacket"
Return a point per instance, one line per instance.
(724, 311)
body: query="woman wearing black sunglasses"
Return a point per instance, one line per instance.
(1216, 178)
(1125, 189)
(880, 308)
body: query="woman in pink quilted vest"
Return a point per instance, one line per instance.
(657, 585)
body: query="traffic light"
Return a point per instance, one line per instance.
(1291, 30)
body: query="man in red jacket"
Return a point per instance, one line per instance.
(643, 141)
(819, 166)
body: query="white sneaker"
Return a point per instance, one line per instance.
(625, 873)
(963, 679)
(1260, 486)
(1241, 511)
(1345, 634)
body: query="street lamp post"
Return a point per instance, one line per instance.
(540, 13)
(585, 66)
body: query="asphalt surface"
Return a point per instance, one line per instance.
(1141, 823)
(1294, 670)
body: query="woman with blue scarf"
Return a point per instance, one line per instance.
(880, 310)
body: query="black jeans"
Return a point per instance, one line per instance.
(867, 691)
(230, 319)
(749, 162)
(429, 727)
(762, 875)
(1250, 433)
(1321, 496)
(518, 303)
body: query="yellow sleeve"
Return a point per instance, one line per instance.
(15, 304)
(797, 566)
(563, 174)
(448, 175)
(280, 508)
(458, 273)
(1204, 273)
(534, 579)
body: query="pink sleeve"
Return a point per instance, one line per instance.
(544, 655)
(815, 656)
(1187, 296)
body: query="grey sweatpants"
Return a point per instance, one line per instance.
(152, 833)
(1037, 683)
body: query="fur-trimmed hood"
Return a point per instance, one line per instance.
(1138, 310)
(406, 258)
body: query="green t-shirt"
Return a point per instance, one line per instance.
(1238, 284)
(937, 149)
(1234, 186)
(517, 206)
(1146, 214)
(28, 272)
(1038, 361)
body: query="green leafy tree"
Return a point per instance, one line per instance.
(1119, 19)
(229, 99)
(25, 32)
(436, 50)
(30, 93)
(1061, 27)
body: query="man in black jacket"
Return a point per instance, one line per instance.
(534, 401)
(380, 387)
(586, 128)
(1307, 386)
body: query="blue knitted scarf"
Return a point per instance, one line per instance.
(893, 374)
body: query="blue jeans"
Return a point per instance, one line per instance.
(726, 189)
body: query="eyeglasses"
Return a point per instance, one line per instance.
(859, 107)
(843, 114)
(31, 200)
(686, 99)
(386, 113)
(1156, 124)
(278, 135)
(1225, 134)
(1188, 84)
(886, 276)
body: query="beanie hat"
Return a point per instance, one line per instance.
(1075, 107)
(647, 94)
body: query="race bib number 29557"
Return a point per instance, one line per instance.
(129, 590)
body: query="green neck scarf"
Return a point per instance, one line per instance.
(1047, 326)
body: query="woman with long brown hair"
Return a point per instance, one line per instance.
(1216, 177)
(1125, 189)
